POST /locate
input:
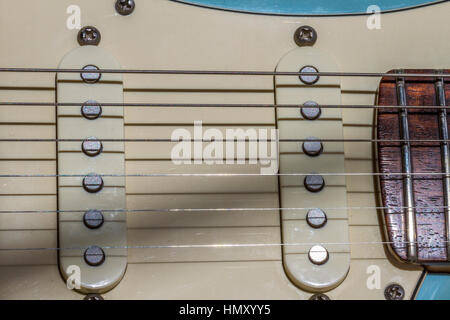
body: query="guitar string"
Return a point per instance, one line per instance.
(221, 140)
(220, 73)
(398, 244)
(295, 174)
(212, 105)
(234, 210)
(223, 72)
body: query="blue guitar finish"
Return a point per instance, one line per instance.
(308, 7)
(435, 287)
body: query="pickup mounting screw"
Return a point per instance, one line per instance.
(394, 291)
(93, 296)
(89, 36)
(319, 296)
(305, 36)
(125, 7)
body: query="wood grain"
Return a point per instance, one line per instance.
(426, 158)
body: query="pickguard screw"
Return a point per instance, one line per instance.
(394, 292)
(90, 77)
(89, 36)
(94, 256)
(93, 219)
(310, 110)
(319, 296)
(125, 7)
(92, 183)
(93, 296)
(92, 146)
(314, 183)
(305, 36)
(309, 79)
(91, 110)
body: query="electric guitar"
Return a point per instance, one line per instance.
(211, 149)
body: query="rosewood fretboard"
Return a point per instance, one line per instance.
(415, 213)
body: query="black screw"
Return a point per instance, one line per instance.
(314, 183)
(93, 296)
(94, 256)
(305, 36)
(93, 219)
(89, 36)
(319, 296)
(394, 292)
(92, 183)
(125, 7)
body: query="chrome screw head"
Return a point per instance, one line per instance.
(91, 110)
(92, 146)
(310, 110)
(94, 256)
(89, 36)
(394, 291)
(92, 183)
(93, 219)
(305, 36)
(93, 296)
(319, 296)
(310, 78)
(312, 148)
(125, 7)
(314, 183)
(90, 77)
(318, 255)
(316, 218)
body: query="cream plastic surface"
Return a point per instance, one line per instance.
(72, 233)
(161, 34)
(292, 125)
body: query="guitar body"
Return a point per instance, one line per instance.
(167, 35)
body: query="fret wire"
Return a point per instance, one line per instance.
(232, 245)
(223, 72)
(266, 209)
(209, 105)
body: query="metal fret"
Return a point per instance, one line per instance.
(408, 192)
(445, 153)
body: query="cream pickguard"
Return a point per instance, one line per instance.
(165, 35)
